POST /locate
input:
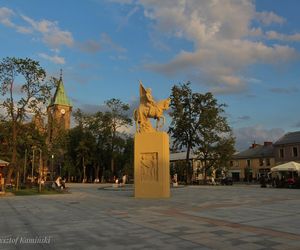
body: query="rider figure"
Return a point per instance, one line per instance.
(150, 103)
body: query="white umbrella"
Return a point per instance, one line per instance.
(3, 163)
(289, 166)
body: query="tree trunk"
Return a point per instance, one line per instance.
(112, 165)
(12, 166)
(112, 162)
(205, 171)
(97, 172)
(187, 162)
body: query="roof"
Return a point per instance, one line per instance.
(289, 138)
(3, 163)
(181, 156)
(60, 97)
(257, 152)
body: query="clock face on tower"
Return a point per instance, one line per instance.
(62, 111)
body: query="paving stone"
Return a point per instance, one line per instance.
(195, 217)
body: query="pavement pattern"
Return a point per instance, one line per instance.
(92, 216)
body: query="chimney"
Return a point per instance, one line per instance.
(254, 145)
(268, 143)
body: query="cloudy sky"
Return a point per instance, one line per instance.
(246, 52)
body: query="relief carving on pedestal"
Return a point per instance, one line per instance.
(149, 167)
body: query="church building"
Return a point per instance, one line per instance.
(59, 112)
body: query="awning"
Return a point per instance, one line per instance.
(3, 163)
(289, 166)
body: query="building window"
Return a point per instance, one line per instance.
(268, 162)
(281, 153)
(295, 151)
(231, 163)
(248, 163)
(261, 162)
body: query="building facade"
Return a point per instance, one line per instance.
(287, 148)
(178, 166)
(249, 164)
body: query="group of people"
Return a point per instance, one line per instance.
(121, 181)
(60, 183)
(277, 181)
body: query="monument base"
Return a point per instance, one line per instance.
(151, 165)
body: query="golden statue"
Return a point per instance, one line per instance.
(149, 108)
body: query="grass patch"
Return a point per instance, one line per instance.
(33, 191)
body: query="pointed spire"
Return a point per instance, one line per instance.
(60, 78)
(60, 97)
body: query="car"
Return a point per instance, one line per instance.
(226, 181)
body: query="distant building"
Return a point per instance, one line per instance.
(287, 148)
(251, 163)
(178, 165)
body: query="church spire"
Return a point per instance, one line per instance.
(60, 78)
(60, 97)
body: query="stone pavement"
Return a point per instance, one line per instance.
(195, 217)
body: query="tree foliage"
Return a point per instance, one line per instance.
(24, 90)
(198, 124)
(185, 107)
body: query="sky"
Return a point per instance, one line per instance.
(246, 52)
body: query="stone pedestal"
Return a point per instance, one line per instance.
(151, 165)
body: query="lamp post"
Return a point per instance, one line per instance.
(52, 157)
(40, 171)
(83, 170)
(40, 166)
(25, 162)
(32, 165)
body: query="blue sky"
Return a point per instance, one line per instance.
(245, 52)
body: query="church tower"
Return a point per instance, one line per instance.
(59, 111)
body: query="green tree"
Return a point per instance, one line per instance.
(117, 118)
(104, 129)
(215, 143)
(185, 106)
(24, 90)
(197, 124)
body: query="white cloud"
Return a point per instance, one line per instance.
(225, 41)
(5, 16)
(52, 35)
(273, 35)
(247, 135)
(55, 59)
(89, 46)
(268, 18)
(107, 43)
(125, 19)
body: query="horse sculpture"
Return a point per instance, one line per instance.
(144, 112)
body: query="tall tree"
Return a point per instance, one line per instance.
(197, 124)
(118, 117)
(215, 143)
(24, 91)
(185, 121)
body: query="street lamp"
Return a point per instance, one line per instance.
(24, 171)
(40, 166)
(40, 171)
(52, 157)
(32, 165)
(84, 174)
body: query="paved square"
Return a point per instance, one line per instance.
(195, 217)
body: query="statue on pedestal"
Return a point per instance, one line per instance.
(151, 148)
(147, 109)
